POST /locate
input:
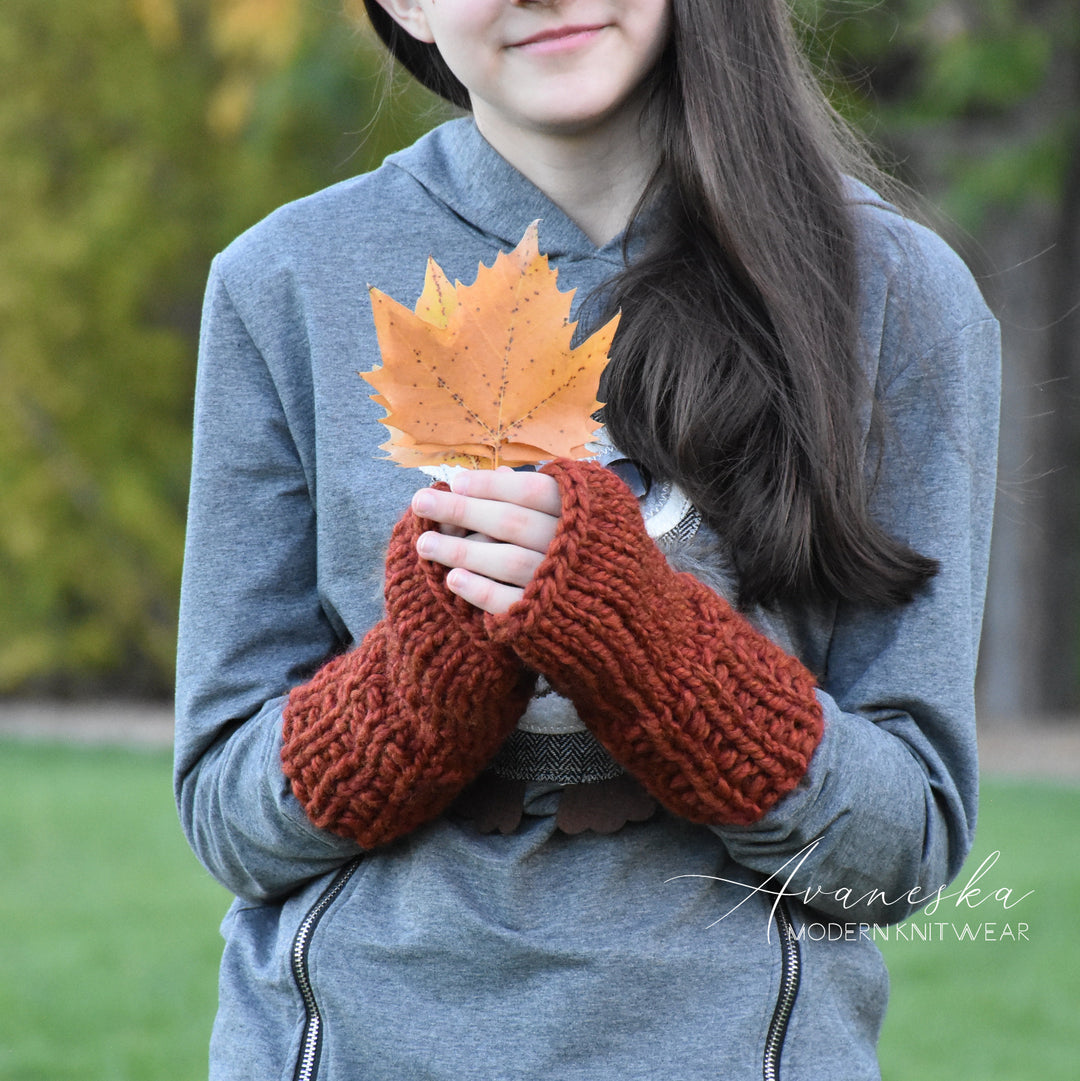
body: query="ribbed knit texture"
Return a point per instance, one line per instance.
(384, 737)
(712, 717)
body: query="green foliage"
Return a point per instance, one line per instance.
(110, 954)
(981, 97)
(133, 149)
(139, 136)
(87, 500)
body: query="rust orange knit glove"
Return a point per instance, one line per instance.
(384, 737)
(712, 717)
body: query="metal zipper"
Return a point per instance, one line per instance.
(311, 1043)
(785, 1000)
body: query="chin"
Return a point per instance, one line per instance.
(576, 120)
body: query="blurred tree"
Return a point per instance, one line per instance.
(138, 137)
(969, 98)
(977, 104)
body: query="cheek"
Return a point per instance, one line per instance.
(659, 21)
(462, 33)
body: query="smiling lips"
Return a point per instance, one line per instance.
(559, 39)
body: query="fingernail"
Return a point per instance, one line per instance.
(425, 544)
(422, 502)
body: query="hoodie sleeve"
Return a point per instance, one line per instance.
(885, 815)
(366, 729)
(856, 791)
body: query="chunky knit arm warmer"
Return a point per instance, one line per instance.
(384, 737)
(711, 716)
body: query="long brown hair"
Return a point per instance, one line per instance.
(735, 371)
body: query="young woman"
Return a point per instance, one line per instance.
(605, 770)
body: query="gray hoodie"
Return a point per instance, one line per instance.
(666, 949)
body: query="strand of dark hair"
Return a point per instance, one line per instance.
(735, 368)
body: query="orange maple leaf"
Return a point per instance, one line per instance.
(484, 374)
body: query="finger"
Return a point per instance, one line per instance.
(489, 596)
(507, 563)
(506, 522)
(537, 491)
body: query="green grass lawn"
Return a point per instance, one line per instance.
(109, 942)
(109, 946)
(996, 1008)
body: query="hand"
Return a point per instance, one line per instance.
(494, 529)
